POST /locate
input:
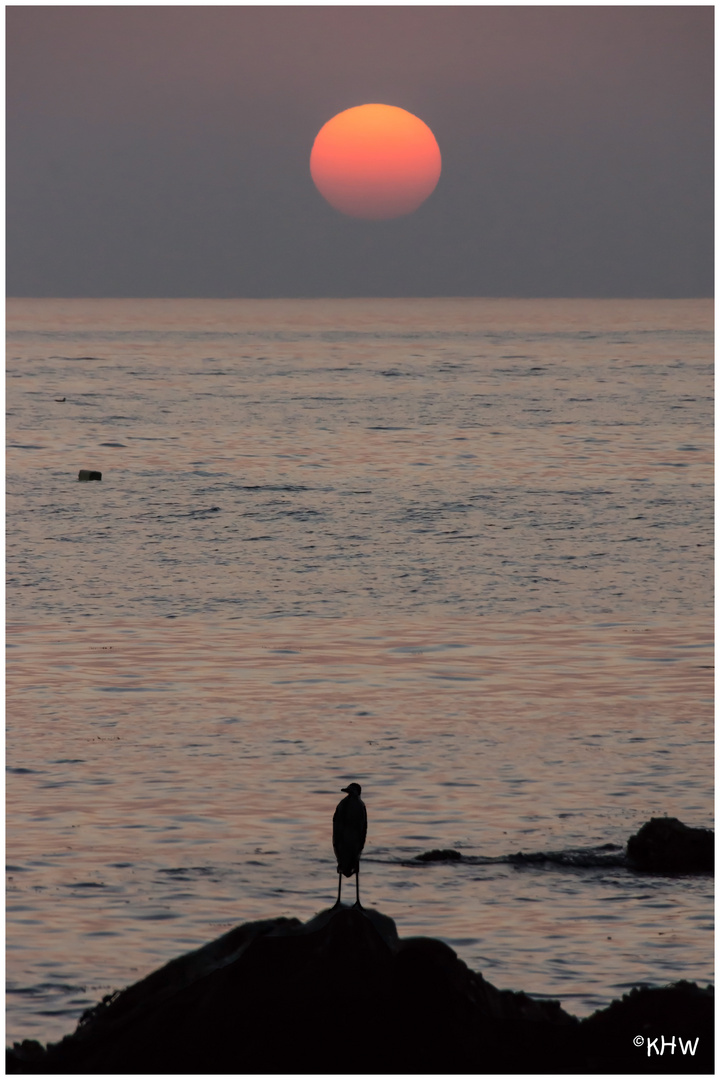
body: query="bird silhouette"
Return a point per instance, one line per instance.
(349, 832)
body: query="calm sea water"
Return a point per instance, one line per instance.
(458, 551)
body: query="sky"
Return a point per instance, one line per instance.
(164, 151)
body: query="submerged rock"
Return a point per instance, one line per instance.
(662, 846)
(444, 855)
(343, 994)
(665, 845)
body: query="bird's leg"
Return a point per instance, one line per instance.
(337, 902)
(357, 888)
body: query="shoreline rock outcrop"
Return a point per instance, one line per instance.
(667, 846)
(661, 846)
(343, 993)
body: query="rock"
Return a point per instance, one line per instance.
(28, 1052)
(528, 857)
(89, 474)
(343, 994)
(665, 845)
(628, 1036)
(443, 855)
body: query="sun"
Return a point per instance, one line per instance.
(375, 162)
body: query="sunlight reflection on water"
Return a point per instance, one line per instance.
(209, 803)
(458, 551)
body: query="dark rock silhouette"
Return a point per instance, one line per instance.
(680, 1014)
(439, 855)
(661, 846)
(343, 994)
(89, 474)
(665, 845)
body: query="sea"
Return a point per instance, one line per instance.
(456, 550)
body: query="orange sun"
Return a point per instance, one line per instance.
(375, 161)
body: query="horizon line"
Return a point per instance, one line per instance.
(393, 299)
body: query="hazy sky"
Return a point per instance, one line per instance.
(163, 151)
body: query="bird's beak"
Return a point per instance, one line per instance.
(343, 789)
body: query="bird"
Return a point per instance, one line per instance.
(349, 832)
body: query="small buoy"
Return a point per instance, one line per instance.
(89, 474)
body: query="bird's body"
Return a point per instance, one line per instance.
(349, 832)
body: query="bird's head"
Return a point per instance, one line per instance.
(352, 789)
